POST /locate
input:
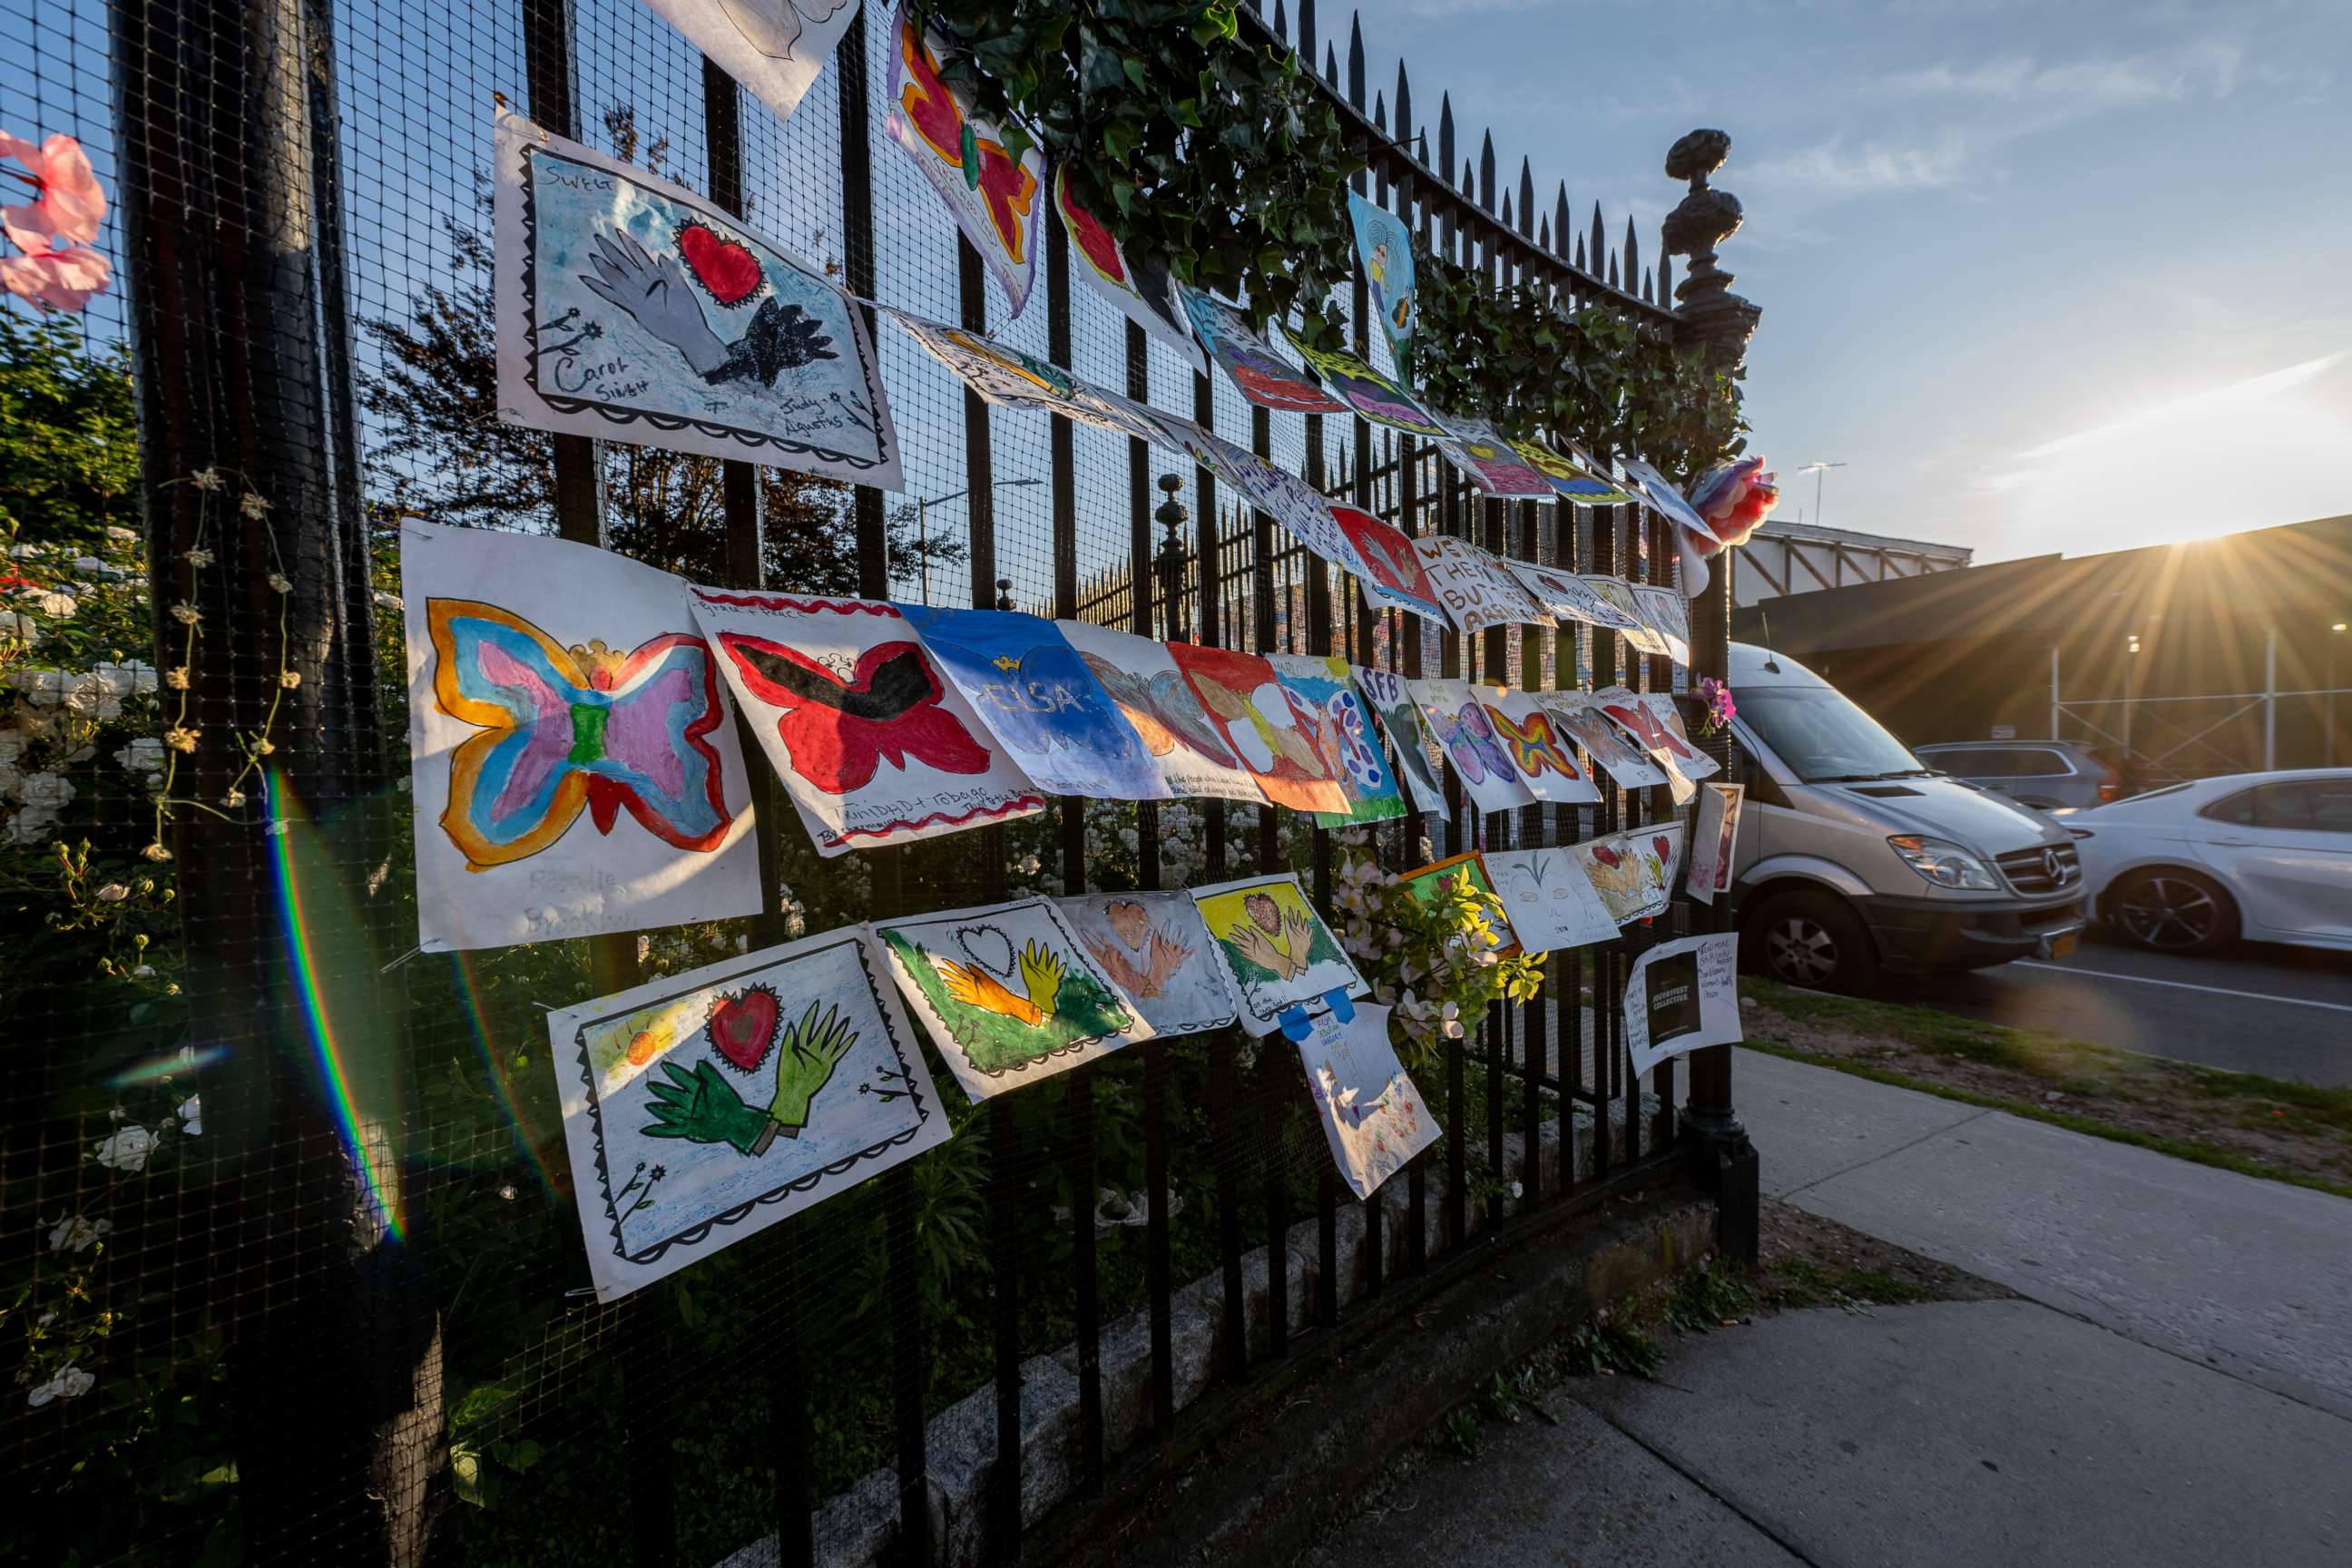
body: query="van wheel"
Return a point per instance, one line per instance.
(2167, 910)
(1811, 940)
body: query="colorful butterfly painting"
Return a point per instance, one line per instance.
(1375, 396)
(838, 731)
(1163, 709)
(1535, 749)
(1321, 689)
(991, 194)
(1458, 718)
(567, 730)
(1484, 454)
(1259, 373)
(1398, 576)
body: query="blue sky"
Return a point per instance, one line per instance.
(2049, 277)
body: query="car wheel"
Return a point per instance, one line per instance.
(1812, 940)
(2167, 910)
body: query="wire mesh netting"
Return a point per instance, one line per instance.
(292, 1248)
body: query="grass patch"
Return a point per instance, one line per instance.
(1801, 1283)
(1707, 1298)
(1618, 1344)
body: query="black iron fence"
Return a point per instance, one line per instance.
(296, 1354)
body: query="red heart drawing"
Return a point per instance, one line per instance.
(724, 267)
(743, 1027)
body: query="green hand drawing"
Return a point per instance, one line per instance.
(702, 1107)
(805, 1059)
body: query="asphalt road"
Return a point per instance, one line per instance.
(2281, 1011)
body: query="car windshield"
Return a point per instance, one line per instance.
(1824, 738)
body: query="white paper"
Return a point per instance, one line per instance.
(1141, 677)
(1465, 732)
(1008, 993)
(1634, 871)
(775, 47)
(1393, 705)
(702, 1107)
(1540, 746)
(1278, 953)
(1688, 758)
(1630, 712)
(1473, 587)
(1551, 902)
(1714, 837)
(1155, 949)
(1683, 995)
(1573, 595)
(573, 755)
(1603, 741)
(631, 310)
(1373, 1117)
(1669, 618)
(875, 743)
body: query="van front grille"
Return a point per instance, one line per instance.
(2041, 870)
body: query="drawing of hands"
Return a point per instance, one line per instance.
(1262, 950)
(701, 1107)
(805, 1059)
(1298, 934)
(658, 296)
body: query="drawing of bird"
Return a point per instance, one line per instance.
(1041, 978)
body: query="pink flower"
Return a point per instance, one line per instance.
(70, 206)
(53, 280)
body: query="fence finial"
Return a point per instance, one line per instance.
(1714, 318)
(1445, 137)
(1404, 113)
(1559, 220)
(1306, 33)
(1527, 197)
(1487, 172)
(1356, 61)
(1281, 23)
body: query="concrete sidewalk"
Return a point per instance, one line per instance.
(2175, 1388)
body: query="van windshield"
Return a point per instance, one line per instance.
(1824, 738)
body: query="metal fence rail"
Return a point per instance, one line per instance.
(347, 1322)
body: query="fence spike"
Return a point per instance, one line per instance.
(1330, 67)
(1613, 271)
(1580, 253)
(1281, 25)
(1648, 296)
(1666, 281)
(1445, 137)
(1486, 171)
(1543, 234)
(1404, 112)
(1507, 212)
(1356, 60)
(1527, 194)
(1599, 241)
(1632, 249)
(1306, 33)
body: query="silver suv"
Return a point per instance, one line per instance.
(2045, 775)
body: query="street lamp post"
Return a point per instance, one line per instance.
(923, 505)
(1819, 470)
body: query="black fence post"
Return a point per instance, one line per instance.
(1718, 323)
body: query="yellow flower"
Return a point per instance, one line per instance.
(181, 739)
(233, 799)
(176, 678)
(187, 615)
(156, 852)
(290, 679)
(253, 506)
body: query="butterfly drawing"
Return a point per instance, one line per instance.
(1645, 727)
(1162, 710)
(1535, 745)
(1007, 190)
(1469, 738)
(568, 728)
(839, 731)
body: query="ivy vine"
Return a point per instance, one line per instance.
(1227, 161)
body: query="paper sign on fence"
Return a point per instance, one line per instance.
(1683, 995)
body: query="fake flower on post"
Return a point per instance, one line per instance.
(56, 270)
(1715, 708)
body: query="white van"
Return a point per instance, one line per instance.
(1856, 858)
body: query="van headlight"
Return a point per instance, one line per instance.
(1944, 863)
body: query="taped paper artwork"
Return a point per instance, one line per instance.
(992, 195)
(1270, 733)
(630, 310)
(573, 765)
(875, 745)
(1009, 993)
(1372, 1116)
(1484, 455)
(1321, 686)
(1475, 590)
(1011, 379)
(1377, 397)
(1550, 900)
(1185, 743)
(1144, 292)
(1603, 741)
(1543, 753)
(1459, 719)
(1276, 950)
(1261, 375)
(775, 47)
(1155, 949)
(702, 1107)
(1393, 705)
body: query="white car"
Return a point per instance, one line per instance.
(2266, 856)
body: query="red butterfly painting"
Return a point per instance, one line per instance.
(1007, 189)
(838, 733)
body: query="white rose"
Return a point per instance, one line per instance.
(19, 628)
(51, 603)
(122, 535)
(46, 792)
(29, 826)
(70, 1383)
(75, 1233)
(90, 694)
(143, 755)
(192, 1115)
(43, 687)
(126, 1149)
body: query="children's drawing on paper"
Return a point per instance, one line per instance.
(1377, 397)
(1627, 613)
(992, 195)
(1543, 753)
(1373, 1118)
(1689, 760)
(629, 310)
(1030, 687)
(1011, 379)
(1659, 492)
(1445, 878)
(1681, 995)
(1568, 595)
(1473, 587)
(1393, 705)
(875, 745)
(1714, 837)
(1484, 455)
(1397, 576)
(1344, 735)
(1185, 743)
(1261, 375)
(1009, 993)
(1666, 613)
(1287, 498)
(574, 767)
(1604, 743)
(1274, 739)
(1143, 290)
(1155, 949)
(1634, 871)
(775, 47)
(1384, 246)
(1549, 899)
(1571, 481)
(1276, 950)
(1467, 734)
(702, 1107)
